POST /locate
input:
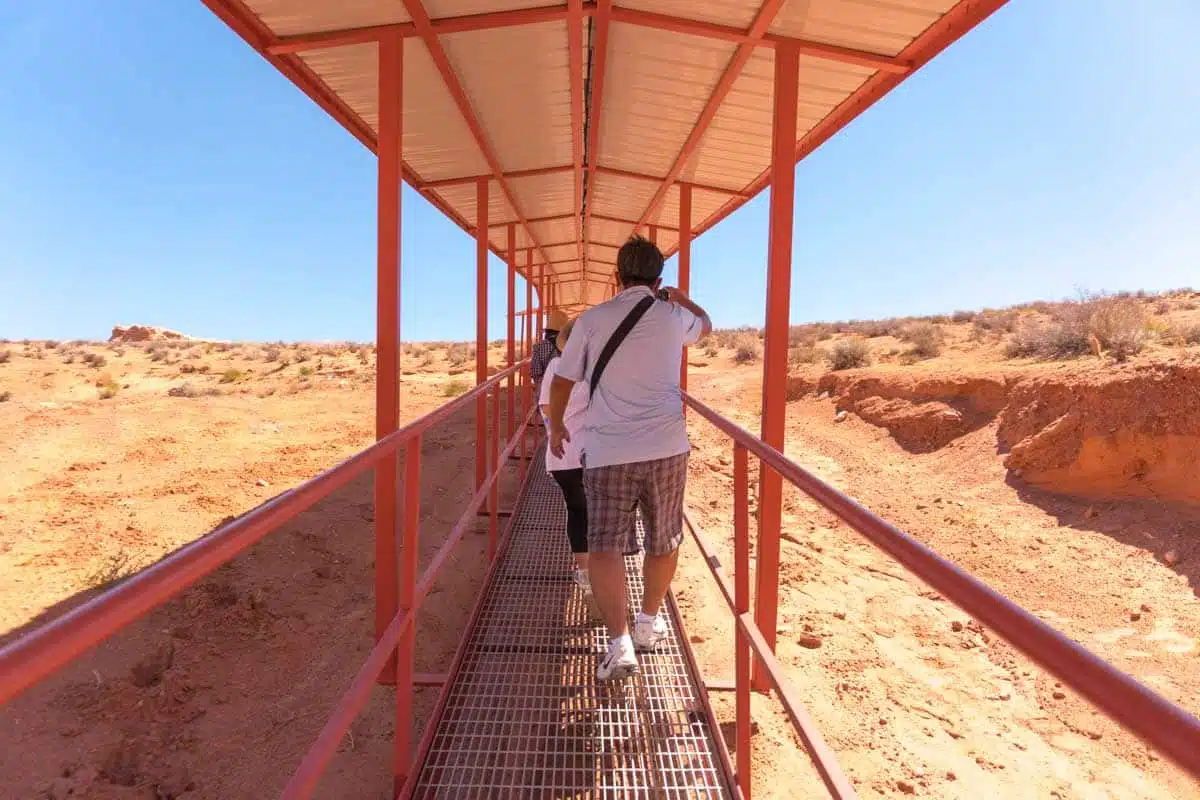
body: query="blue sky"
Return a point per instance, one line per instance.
(153, 169)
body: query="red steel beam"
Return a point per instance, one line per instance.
(575, 65)
(951, 27)
(481, 341)
(467, 180)
(421, 19)
(602, 217)
(387, 330)
(512, 322)
(775, 351)
(409, 560)
(762, 21)
(685, 262)
(600, 25)
(641, 176)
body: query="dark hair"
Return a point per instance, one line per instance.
(639, 261)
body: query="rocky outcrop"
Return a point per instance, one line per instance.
(1132, 432)
(144, 333)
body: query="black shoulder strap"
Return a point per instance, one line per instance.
(615, 340)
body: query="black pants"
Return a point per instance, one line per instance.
(571, 483)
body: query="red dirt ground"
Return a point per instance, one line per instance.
(218, 694)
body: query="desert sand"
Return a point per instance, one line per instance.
(1066, 481)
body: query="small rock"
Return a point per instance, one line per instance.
(261, 482)
(906, 787)
(783, 629)
(950, 776)
(810, 641)
(1135, 616)
(921, 506)
(1059, 695)
(1145, 608)
(697, 638)
(150, 669)
(956, 626)
(839, 614)
(840, 416)
(1170, 558)
(323, 571)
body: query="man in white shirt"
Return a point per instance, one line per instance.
(634, 441)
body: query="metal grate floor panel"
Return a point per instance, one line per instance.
(524, 716)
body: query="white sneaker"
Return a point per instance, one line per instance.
(583, 582)
(620, 662)
(648, 632)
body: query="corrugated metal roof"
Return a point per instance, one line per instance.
(506, 74)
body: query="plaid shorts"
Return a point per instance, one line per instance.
(614, 495)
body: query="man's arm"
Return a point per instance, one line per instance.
(678, 297)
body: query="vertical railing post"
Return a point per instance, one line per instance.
(774, 405)
(409, 559)
(494, 493)
(741, 602)
(481, 355)
(685, 263)
(511, 352)
(387, 328)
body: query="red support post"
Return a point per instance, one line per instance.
(409, 561)
(741, 602)
(494, 491)
(685, 262)
(481, 310)
(387, 329)
(512, 320)
(542, 295)
(775, 351)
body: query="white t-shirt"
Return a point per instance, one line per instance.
(636, 413)
(572, 418)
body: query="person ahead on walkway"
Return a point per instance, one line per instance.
(567, 470)
(545, 350)
(634, 447)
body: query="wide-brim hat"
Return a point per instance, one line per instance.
(556, 320)
(564, 333)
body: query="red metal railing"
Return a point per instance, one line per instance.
(42, 652)
(1156, 721)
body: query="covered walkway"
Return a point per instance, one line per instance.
(523, 715)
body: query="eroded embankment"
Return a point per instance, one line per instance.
(1132, 431)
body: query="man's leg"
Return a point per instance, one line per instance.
(611, 496)
(661, 500)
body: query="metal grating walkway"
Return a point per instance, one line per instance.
(524, 716)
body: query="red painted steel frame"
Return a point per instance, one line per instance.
(685, 262)
(600, 26)
(775, 344)
(481, 309)
(1159, 723)
(387, 316)
(511, 264)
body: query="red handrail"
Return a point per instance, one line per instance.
(43, 651)
(1158, 722)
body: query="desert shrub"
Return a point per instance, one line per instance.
(454, 388)
(1162, 307)
(992, 321)
(186, 389)
(272, 354)
(5, 396)
(158, 354)
(875, 328)
(1117, 324)
(747, 350)
(459, 353)
(5, 356)
(111, 569)
(925, 337)
(94, 360)
(803, 354)
(963, 316)
(849, 354)
(302, 355)
(232, 375)
(711, 351)
(306, 372)
(108, 388)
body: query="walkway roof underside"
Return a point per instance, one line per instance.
(589, 115)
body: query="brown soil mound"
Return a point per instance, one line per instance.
(1134, 432)
(144, 333)
(923, 413)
